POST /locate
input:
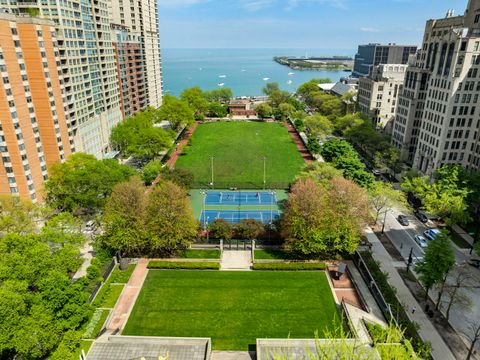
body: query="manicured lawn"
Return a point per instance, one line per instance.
(238, 149)
(233, 308)
(269, 254)
(201, 254)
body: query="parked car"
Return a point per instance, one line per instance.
(376, 172)
(475, 263)
(421, 241)
(90, 225)
(431, 233)
(402, 219)
(421, 216)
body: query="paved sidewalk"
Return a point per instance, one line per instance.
(129, 295)
(86, 254)
(427, 331)
(236, 260)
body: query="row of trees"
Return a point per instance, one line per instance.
(343, 156)
(40, 307)
(245, 229)
(206, 103)
(137, 222)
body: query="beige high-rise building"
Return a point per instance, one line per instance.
(86, 53)
(34, 130)
(438, 114)
(135, 25)
(378, 94)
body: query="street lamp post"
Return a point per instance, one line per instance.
(264, 171)
(211, 164)
(208, 232)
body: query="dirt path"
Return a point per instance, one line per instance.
(173, 159)
(129, 295)
(300, 145)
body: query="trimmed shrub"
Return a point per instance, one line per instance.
(290, 266)
(184, 265)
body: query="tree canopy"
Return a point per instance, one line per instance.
(83, 183)
(177, 112)
(156, 223)
(324, 219)
(137, 136)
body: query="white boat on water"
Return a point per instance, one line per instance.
(222, 76)
(221, 84)
(265, 79)
(291, 73)
(243, 70)
(289, 82)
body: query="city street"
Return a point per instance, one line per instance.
(402, 238)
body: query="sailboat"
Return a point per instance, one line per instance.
(221, 84)
(289, 82)
(266, 79)
(291, 73)
(222, 76)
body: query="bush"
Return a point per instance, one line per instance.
(290, 266)
(184, 265)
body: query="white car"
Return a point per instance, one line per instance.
(421, 241)
(376, 172)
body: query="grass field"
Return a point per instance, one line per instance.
(233, 308)
(238, 149)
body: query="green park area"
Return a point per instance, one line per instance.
(233, 308)
(238, 150)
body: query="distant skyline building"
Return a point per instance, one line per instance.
(139, 23)
(378, 94)
(377, 54)
(34, 129)
(437, 121)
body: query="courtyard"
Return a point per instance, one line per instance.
(233, 308)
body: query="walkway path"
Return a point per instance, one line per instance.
(86, 253)
(427, 331)
(300, 145)
(181, 145)
(129, 295)
(236, 260)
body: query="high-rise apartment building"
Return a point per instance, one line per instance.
(376, 54)
(135, 26)
(34, 129)
(438, 115)
(378, 94)
(86, 52)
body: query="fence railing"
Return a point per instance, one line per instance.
(254, 185)
(372, 285)
(105, 275)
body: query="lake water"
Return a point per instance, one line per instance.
(245, 71)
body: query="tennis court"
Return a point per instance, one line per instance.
(240, 198)
(234, 216)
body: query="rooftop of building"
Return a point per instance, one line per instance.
(24, 19)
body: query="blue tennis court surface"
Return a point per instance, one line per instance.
(234, 216)
(240, 198)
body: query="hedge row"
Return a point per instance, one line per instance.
(289, 266)
(184, 265)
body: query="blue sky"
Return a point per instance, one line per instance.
(303, 24)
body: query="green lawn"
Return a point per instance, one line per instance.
(270, 254)
(233, 308)
(238, 149)
(201, 254)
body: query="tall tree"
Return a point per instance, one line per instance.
(263, 110)
(83, 183)
(124, 219)
(151, 170)
(169, 219)
(196, 100)
(284, 111)
(249, 229)
(137, 136)
(324, 219)
(220, 229)
(222, 95)
(17, 215)
(437, 262)
(453, 289)
(177, 112)
(383, 197)
(318, 125)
